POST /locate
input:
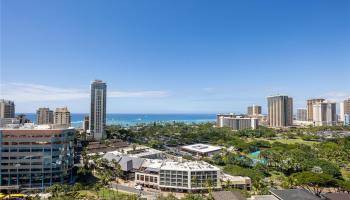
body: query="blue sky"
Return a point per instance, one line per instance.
(184, 56)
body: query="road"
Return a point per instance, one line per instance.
(129, 189)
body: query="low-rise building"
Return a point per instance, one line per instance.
(201, 149)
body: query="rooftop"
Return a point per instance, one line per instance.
(292, 194)
(228, 195)
(188, 165)
(201, 148)
(32, 126)
(337, 196)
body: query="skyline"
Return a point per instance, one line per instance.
(173, 57)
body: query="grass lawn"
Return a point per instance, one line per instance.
(108, 194)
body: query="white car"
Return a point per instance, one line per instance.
(138, 187)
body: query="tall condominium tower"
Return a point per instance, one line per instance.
(344, 109)
(44, 116)
(62, 116)
(254, 110)
(98, 109)
(324, 113)
(280, 111)
(302, 114)
(310, 103)
(7, 109)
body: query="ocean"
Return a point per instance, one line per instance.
(133, 119)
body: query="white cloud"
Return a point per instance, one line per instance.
(22, 92)
(337, 96)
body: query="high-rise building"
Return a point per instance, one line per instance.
(7, 109)
(280, 111)
(86, 123)
(310, 103)
(98, 109)
(346, 121)
(62, 116)
(254, 110)
(42, 156)
(324, 113)
(44, 116)
(302, 114)
(344, 109)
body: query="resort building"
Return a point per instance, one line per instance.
(201, 149)
(35, 157)
(7, 109)
(44, 116)
(324, 113)
(254, 110)
(179, 176)
(280, 111)
(98, 109)
(62, 116)
(237, 122)
(86, 123)
(302, 114)
(310, 104)
(344, 109)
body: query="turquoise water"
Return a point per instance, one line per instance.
(133, 119)
(255, 157)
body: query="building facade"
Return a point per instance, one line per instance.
(98, 109)
(237, 122)
(280, 111)
(62, 116)
(310, 103)
(7, 109)
(35, 157)
(344, 109)
(86, 123)
(254, 110)
(302, 114)
(44, 116)
(324, 113)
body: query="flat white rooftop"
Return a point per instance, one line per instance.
(201, 148)
(140, 151)
(188, 166)
(32, 126)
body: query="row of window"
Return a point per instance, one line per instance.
(146, 178)
(34, 143)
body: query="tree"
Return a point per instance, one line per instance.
(313, 182)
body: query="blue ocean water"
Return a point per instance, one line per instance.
(133, 119)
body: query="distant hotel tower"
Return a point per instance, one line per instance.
(324, 113)
(254, 110)
(310, 103)
(7, 109)
(62, 116)
(302, 114)
(280, 111)
(44, 116)
(98, 109)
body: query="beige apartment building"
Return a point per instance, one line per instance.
(44, 116)
(310, 103)
(280, 111)
(7, 109)
(324, 113)
(62, 116)
(344, 109)
(254, 110)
